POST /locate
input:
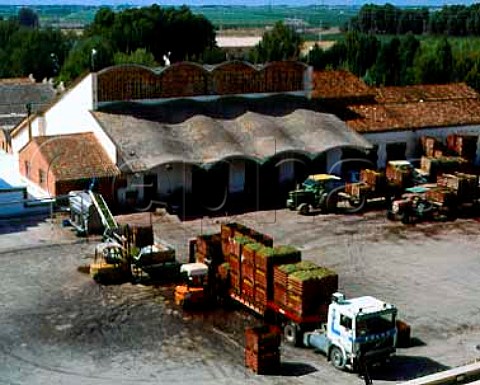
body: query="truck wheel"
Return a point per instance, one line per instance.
(291, 334)
(336, 358)
(304, 209)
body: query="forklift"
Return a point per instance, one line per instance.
(193, 292)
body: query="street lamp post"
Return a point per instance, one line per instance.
(92, 58)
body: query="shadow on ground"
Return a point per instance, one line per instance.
(294, 369)
(9, 225)
(404, 368)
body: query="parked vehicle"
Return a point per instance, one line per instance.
(317, 192)
(362, 328)
(110, 264)
(193, 291)
(356, 329)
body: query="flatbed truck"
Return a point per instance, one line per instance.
(350, 333)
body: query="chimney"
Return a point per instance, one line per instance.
(29, 113)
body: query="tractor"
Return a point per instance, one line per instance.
(318, 191)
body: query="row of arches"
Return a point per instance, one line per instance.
(239, 184)
(186, 79)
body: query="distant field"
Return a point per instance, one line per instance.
(261, 16)
(221, 16)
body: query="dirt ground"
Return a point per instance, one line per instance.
(59, 327)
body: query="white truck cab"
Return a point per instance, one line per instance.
(357, 329)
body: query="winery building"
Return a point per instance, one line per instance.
(236, 134)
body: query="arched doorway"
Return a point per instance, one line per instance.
(282, 173)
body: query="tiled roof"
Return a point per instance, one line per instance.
(398, 116)
(75, 156)
(407, 94)
(16, 81)
(143, 144)
(339, 84)
(15, 94)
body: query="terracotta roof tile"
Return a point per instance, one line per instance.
(16, 81)
(407, 94)
(75, 156)
(399, 116)
(339, 84)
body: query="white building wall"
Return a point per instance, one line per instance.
(71, 114)
(412, 139)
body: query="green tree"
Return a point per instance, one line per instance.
(317, 58)
(37, 52)
(434, 65)
(212, 55)
(90, 53)
(409, 46)
(28, 18)
(280, 43)
(140, 56)
(362, 51)
(473, 76)
(158, 30)
(387, 66)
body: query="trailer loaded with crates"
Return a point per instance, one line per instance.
(453, 195)
(293, 297)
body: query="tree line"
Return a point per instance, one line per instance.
(453, 20)
(400, 60)
(150, 36)
(154, 36)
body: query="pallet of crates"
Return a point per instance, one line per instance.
(463, 145)
(442, 165)
(209, 249)
(399, 173)
(267, 257)
(309, 291)
(280, 279)
(429, 145)
(262, 349)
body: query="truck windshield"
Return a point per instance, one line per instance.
(375, 325)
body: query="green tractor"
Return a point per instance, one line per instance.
(317, 192)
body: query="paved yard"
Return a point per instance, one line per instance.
(58, 327)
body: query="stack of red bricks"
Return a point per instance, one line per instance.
(209, 249)
(463, 145)
(465, 186)
(266, 259)
(400, 175)
(238, 244)
(442, 165)
(372, 178)
(304, 288)
(251, 256)
(441, 195)
(262, 349)
(429, 145)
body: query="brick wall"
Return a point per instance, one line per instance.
(32, 164)
(36, 163)
(235, 78)
(185, 79)
(283, 76)
(189, 79)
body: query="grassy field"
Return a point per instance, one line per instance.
(221, 16)
(261, 16)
